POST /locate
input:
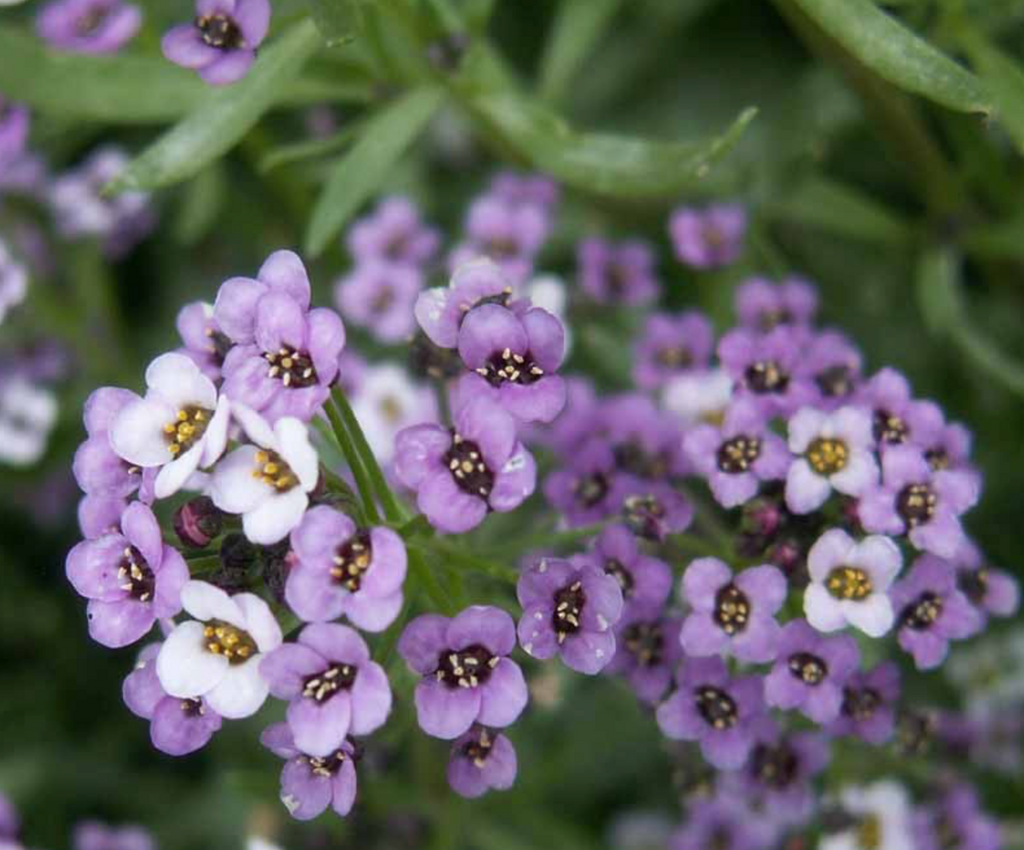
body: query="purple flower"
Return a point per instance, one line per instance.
(720, 822)
(931, 611)
(97, 468)
(671, 345)
(514, 358)
(394, 234)
(14, 126)
(739, 455)
(957, 822)
(341, 569)
(896, 417)
(441, 310)
(221, 42)
(715, 710)
(832, 365)
(93, 835)
(569, 608)
(645, 581)
(647, 650)
(588, 488)
(869, 704)
(732, 613)
(991, 591)
(509, 234)
(481, 760)
(332, 686)
(285, 356)
(467, 676)
(646, 441)
(310, 784)
(205, 342)
(535, 189)
(762, 305)
(915, 500)
(708, 238)
(13, 281)
(765, 368)
(379, 295)
(811, 671)
(654, 509)
(462, 473)
(10, 822)
(88, 26)
(617, 274)
(130, 579)
(99, 515)
(177, 726)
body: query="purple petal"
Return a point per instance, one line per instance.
(184, 46)
(422, 642)
(503, 697)
(229, 68)
(486, 625)
(446, 712)
(319, 728)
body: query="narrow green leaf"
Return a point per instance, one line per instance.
(577, 28)
(1005, 80)
(896, 53)
(339, 21)
(201, 204)
(1001, 241)
(224, 118)
(309, 148)
(359, 172)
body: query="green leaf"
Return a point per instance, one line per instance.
(578, 26)
(201, 204)
(897, 54)
(1005, 80)
(308, 148)
(223, 119)
(359, 172)
(339, 21)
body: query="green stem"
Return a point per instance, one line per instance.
(424, 575)
(344, 442)
(205, 564)
(418, 526)
(467, 561)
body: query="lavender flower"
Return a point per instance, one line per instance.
(732, 613)
(957, 822)
(535, 189)
(310, 784)
(811, 671)
(28, 413)
(721, 822)
(708, 238)
(88, 26)
(130, 578)
(467, 676)
(394, 234)
(617, 274)
(715, 710)
(341, 569)
(671, 345)
(832, 364)
(898, 418)
(441, 310)
(93, 835)
(991, 591)
(654, 509)
(762, 305)
(462, 473)
(569, 608)
(14, 126)
(645, 581)
(509, 234)
(765, 368)
(379, 296)
(869, 704)
(932, 611)
(205, 343)
(221, 42)
(588, 488)
(332, 686)
(13, 282)
(647, 650)
(481, 760)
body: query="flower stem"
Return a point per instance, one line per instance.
(348, 449)
(418, 526)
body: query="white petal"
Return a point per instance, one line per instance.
(272, 520)
(260, 623)
(255, 426)
(873, 616)
(804, 426)
(173, 476)
(829, 551)
(233, 487)
(185, 667)
(822, 609)
(806, 491)
(861, 472)
(853, 425)
(297, 451)
(880, 557)
(215, 440)
(241, 692)
(179, 381)
(137, 433)
(206, 602)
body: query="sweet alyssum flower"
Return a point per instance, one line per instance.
(762, 305)
(341, 569)
(393, 233)
(441, 310)
(332, 686)
(710, 237)
(130, 578)
(732, 613)
(221, 41)
(992, 591)
(869, 700)
(588, 488)
(701, 396)
(217, 655)
(833, 365)
(647, 650)
(764, 367)
(204, 341)
(881, 817)
(467, 675)
(569, 608)
(481, 760)
(13, 281)
(617, 274)
(720, 822)
(671, 345)
(179, 426)
(388, 400)
(379, 296)
(93, 835)
(850, 582)
(957, 822)
(509, 234)
(28, 413)
(267, 483)
(645, 580)
(97, 467)
(460, 474)
(88, 26)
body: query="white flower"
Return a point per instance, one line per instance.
(267, 483)
(256, 842)
(387, 401)
(13, 281)
(834, 450)
(217, 655)
(850, 582)
(27, 415)
(883, 814)
(698, 396)
(180, 425)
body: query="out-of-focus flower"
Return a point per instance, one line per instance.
(88, 26)
(221, 42)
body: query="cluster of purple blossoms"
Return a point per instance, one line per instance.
(85, 835)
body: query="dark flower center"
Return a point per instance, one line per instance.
(292, 367)
(479, 748)
(187, 429)
(916, 730)
(220, 345)
(328, 765)
(236, 645)
(428, 360)
(592, 489)
(501, 248)
(938, 458)
(766, 376)
(861, 703)
(569, 602)
(848, 583)
(273, 471)
(808, 668)
(915, 503)
(973, 584)
(502, 299)
(320, 687)
(93, 19)
(136, 577)
(465, 668)
(869, 832)
(382, 300)
(736, 455)
(775, 767)
(467, 466)
(220, 31)
(732, 609)
(622, 575)
(193, 708)
(351, 560)
(618, 279)
(507, 366)
(646, 642)
(716, 707)
(632, 457)
(921, 613)
(769, 319)
(828, 456)
(643, 515)
(889, 428)
(674, 357)
(835, 381)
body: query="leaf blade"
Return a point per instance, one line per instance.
(578, 26)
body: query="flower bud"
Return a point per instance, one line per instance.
(197, 522)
